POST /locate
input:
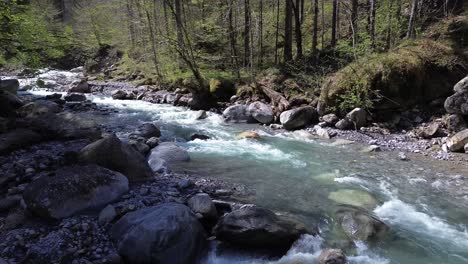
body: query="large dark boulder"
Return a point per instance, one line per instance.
(79, 86)
(9, 85)
(166, 234)
(261, 112)
(38, 108)
(252, 226)
(458, 102)
(109, 152)
(147, 130)
(16, 139)
(9, 102)
(74, 189)
(222, 89)
(298, 118)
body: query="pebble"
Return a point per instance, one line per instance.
(402, 156)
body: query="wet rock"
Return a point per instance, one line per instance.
(147, 130)
(139, 146)
(358, 117)
(360, 225)
(170, 152)
(37, 108)
(9, 103)
(199, 136)
(298, 118)
(371, 148)
(200, 115)
(9, 202)
(402, 156)
(332, 256)
(456, 122)
(261, 112)
(343, 124)
(252, 226)
(152, 142)
(79, 86)
(330, 119)
(237, 113)
(353, 197)
(322, 133)
(430, 131)
(74, 189)
(75, 97)
(184, 183)
(201, 203)
(113, 154)
(107, 215)
(9, 85)
(120, 95)
(247, 135)
(16, 139)
(167, 234)
(458, 141)
(461, 86)
(64, 125)
(159, 165)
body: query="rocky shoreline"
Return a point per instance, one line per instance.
(52, 214)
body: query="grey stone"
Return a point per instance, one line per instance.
(170, 152)
(237, 113)
(75, 97)
(298, 118)
(37, 108)
(107, 215)
(74, 189)
(343, 124)
(201, 203)
(261, 112)
(16, 139)
(358, 117)
(458, 141)
(332, 256)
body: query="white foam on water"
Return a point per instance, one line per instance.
(350, 180)
(243, 147)
(396, 212)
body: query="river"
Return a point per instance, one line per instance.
(309, 178)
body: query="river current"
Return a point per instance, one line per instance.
(308, 178)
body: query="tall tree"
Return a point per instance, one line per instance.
(287, 50)
(232, 40)
(297, 28)
(412, 19)
(315, 33)
(372, 22)
(334, 23)
(277, 30)
(354, 19)
(247, 28)
(179, 24)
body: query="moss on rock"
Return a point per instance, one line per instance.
(415, 72)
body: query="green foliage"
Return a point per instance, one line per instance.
(357, 94)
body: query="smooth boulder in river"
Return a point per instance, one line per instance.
(74, 189)
(113, 154)
(359, 224)
(237, 114)
(261, 112)
(37, 108)
(168, 233)
(169, 152)
(253, 226)
(298, 118)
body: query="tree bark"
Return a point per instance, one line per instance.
(287, 50)
(277, 30)
(354, 20)
(372, 22)
(179, 25)
(334, 23)
(232, 40)
(414, 9)
(315, 33)
(298, 32)
(247, 33)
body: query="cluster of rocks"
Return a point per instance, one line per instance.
(457, 106)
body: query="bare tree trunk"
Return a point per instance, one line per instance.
(260, 38)
(247, 33)
(179, 25)
(354, 20)
(315, 33)
(287, 50)
(277, 30)
(298, 33)
(414, 8)
(323, 23)
(334, 22)
(153, 44)
(232, 38)
(372, 22)
(389, 25)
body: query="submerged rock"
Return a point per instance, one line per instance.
(353, 197)
(200, 115)
(252, 226)
(332, 256)
(248, 134)
(298, 118)
(113, 154)
(261, 112)
(358, 224)
(147, 130)
(199, 136)
(74, 189)
(75, 97)
(167, 234)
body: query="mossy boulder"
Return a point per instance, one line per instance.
(415, 72)
(222, 89)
